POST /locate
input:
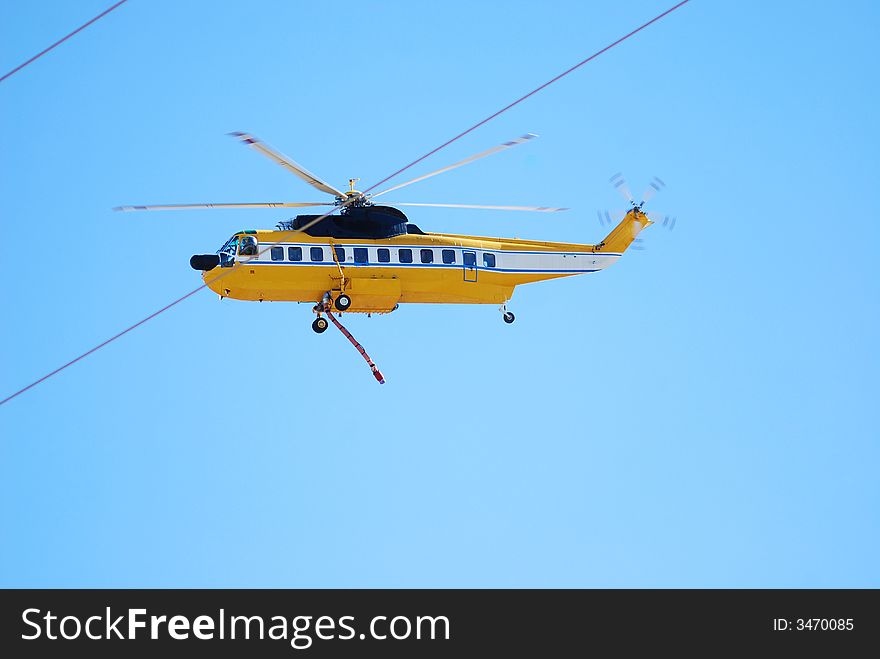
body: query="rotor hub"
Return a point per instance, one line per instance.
(352, 198)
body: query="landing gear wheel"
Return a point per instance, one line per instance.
(508, 317)
(343, 302)
(319, 325)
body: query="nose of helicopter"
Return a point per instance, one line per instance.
(204, 262)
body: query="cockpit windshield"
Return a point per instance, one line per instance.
(229, 246)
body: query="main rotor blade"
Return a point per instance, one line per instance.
(287, 163)
(185, 207)
(482, 154)
(539, 209)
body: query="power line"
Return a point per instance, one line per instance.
(101, 345)
(61, 41)
(348, 201)
(533, 92)
(179, 300)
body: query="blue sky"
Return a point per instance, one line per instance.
(701, 414)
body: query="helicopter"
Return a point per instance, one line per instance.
(369, 258)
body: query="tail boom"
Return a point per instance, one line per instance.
(624, 233)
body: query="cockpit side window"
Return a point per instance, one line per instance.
(247, 246)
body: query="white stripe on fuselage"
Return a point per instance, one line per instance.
(505, 260)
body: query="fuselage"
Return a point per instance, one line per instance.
(378, 274)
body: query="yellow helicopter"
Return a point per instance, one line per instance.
(370, 258)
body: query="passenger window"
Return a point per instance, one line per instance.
(470, 258)
(489, 260)
(247, 246)
(448, 256)
(277, 253)
(316, 253)
(294, 253)
(340, 254)
(360, 255)
(405, 255)
(384, 255)
(427, 255)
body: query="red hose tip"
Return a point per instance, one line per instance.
(378, 375)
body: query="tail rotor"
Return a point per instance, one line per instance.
(612, 217)
(654, 186)
(620, 185)
(668, 221)
(609, 218)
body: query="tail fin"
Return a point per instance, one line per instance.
(624, 233)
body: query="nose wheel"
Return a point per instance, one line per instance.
(508, 317)
(342, 303)
(320, 325)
